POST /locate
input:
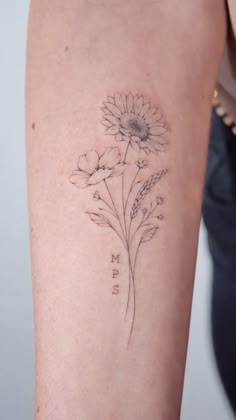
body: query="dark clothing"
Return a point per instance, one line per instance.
(219, 214)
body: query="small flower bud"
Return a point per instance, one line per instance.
(159, 200)
(141, 163)
(96, 196)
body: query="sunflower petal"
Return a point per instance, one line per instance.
(135, 146)
(143, 144)
(144, 109)
(126, 138)
(124, 99)
(110, 158)
(106, 111)
(160, 148)
(157, 130)
(79, 179)
(150, 119)
(135, 138)
(151, 112)
(113, 130)
(158, 123)
(130, 102)
(111, 100)
(119, 102)
(113, 109)
(119, 169)
(151, 148)
(138, 105)
(112, 119)
(135, 100)
(124, 131)
(146, 150)
(158, 139)
(106, 123)
(88, 162)
(156, 146)
(99, 176)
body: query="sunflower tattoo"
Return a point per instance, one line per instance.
(133, 122)
(131, 119)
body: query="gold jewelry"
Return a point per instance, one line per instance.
(227, 119)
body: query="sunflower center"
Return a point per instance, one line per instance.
(135, 124)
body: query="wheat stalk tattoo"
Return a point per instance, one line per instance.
(139, 128)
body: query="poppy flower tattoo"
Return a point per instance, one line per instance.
(93, 169)
(141, 130)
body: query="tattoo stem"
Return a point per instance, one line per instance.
(123, 190)
(139, 226)
(108, 205)
(128, 297)
(106, 210)
(131, 187)
(122, 237)
(150, 213)
(134, 293)
(127, 148)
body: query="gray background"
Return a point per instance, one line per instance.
(203, 396)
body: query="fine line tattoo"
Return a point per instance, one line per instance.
(140, 129)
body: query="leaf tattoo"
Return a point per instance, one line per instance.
(148, 234)
(139, 128)
(99, 219)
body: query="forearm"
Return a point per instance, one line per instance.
(95, 357)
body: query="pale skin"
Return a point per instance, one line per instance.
(80, 52)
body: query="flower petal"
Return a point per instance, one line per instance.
(151, 148)
(113, 109)
(135, 146)
(138, 105)
(106, 111)
(107, 123)
(99, 176)
(124, 131)
(143, 144)
(124, 99)
(151, 112)
(135, 138)
(119, 169)
(158, 123)
(113, 130)
(144, 109)
(130, 102)
(157, 131)
(88, 162)
(119, 102)
(146, 150)
(150, 119)
(110, 158)
(111, 100)
(159, 148)
(157, 139)
(112, 119)
(135, 100)
(126, 138)
(119, 137)
(79, 179)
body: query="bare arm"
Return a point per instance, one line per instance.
(115, 197)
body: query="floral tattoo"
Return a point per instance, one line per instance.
(136, 125)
